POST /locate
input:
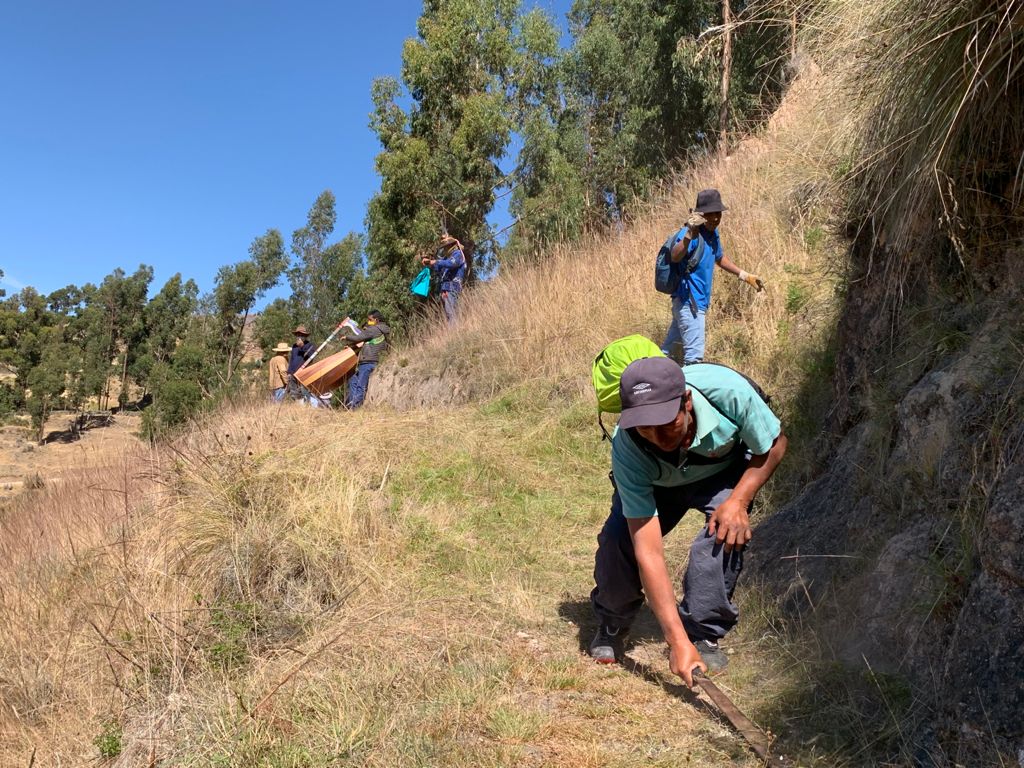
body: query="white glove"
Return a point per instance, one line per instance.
(694, 223)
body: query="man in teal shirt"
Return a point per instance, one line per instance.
(702, 439)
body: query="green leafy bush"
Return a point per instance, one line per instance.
(109, 740)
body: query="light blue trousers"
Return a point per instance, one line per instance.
(685, 329)
(450, 301)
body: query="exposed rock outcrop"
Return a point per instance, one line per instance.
(911, 543)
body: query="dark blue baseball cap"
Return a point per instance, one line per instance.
(651, 390)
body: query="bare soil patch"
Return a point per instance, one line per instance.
(24, 463)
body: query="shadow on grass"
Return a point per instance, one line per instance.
(677, 690)
(645, 628)
(579, 612)
(826, 716)
(833, 716)
(68, 435)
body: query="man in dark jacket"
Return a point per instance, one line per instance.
(372, 337)
(302, 350)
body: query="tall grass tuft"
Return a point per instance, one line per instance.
(131, 592)
(937, 91)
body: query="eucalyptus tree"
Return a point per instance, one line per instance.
(24, 318)
(110, 329)
(275, 324)
(167, 318)
(548, 193)
(322, 272)
(237, 288)
(439, 164)
(51, 380)
(66, 301)
(649, 95)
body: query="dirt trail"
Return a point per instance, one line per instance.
(23, 461)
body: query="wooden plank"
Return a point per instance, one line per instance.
(327, 374)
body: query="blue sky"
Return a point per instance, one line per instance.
(172, 134)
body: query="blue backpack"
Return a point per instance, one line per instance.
(667, 273)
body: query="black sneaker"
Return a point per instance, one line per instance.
(712, 655)
(607, 644)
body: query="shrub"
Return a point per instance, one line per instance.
(108, 741)
(11, 399)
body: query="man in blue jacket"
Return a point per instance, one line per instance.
(691, 299)
(452, 273)
(705, 440)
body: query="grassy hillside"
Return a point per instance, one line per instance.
(412, 591)
(410, 587)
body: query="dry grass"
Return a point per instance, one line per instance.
(55, 543)
(282, 593)
(122, 586)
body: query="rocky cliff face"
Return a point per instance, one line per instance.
(907, 553)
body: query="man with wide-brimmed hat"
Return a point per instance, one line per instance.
(451, 269)
(279, 371)
(701, 439)
(697, 249)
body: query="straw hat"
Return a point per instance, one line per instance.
(301, 331)
(282, 347)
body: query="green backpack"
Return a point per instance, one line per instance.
(609, 365)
